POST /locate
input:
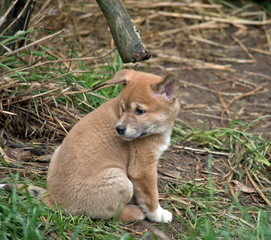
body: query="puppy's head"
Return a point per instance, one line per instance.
(148, 104)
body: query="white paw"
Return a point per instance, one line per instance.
(160, 215)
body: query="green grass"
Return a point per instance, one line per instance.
(209, 216)
(45, 67)
(220, 218)
(197, 207)
(22, 218)
(248, 149)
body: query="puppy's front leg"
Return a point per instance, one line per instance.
(144, 180)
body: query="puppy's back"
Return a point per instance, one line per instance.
(90, 147)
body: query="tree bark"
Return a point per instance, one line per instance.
(14, 16)
(125, 33)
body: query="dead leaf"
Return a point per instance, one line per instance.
(243, 187)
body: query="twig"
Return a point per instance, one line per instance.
(261, 51)
(148, 4)
(33, 43)
(200, 26)
(258, 189)
(28, 170)
(195, 106)
(58, 61)
(202, 150)
(240, 220)
(208, 89)
(198, 166)
(216, 19)
(16, 19)
(229, 179)
(199, 39)
(3, 18)
(65, 130)
(9, 113)
(194, 63)
(268, 38)
(36, 96)
(239, 97)
(235, 60)
(209, 116)
(243, 47)
(133, 231)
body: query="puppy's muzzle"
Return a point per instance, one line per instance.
(121, 129)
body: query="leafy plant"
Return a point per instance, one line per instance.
(247, 148)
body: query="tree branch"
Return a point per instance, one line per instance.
(125, 33)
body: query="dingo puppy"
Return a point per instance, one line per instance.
(110, 156)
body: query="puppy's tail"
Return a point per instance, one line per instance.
(37, 192)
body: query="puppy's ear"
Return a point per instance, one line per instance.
(121, 77)
(169, 87)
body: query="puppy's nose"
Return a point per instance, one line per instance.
(121, 129)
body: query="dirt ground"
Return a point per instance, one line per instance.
(224, 65)
(221, 52)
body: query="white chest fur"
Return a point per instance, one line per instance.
(162, 148)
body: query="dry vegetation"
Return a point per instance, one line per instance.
(223, 56)
(221, 52)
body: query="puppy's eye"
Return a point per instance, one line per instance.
(139, 111)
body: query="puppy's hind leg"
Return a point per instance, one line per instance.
(109, 198)
(130, 213)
